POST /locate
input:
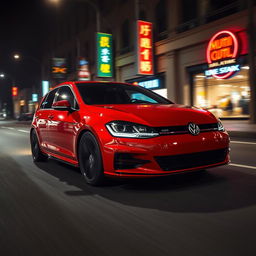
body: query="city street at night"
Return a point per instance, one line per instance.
(48, 209)
(128, 128)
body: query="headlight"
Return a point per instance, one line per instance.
(220, 127)
(130, 130)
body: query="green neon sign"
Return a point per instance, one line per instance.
(104, 55)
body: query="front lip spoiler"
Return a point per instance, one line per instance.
(123, 174)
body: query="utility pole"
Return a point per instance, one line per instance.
(252, 70)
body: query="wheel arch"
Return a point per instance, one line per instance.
(33, 128)
(83, 131)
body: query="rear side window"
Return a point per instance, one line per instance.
(47, 103)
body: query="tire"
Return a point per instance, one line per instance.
(37, 154)
(90, 160)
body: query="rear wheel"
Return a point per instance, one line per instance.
(90, 160)
(37, 154)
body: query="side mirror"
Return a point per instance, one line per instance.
(62, 105)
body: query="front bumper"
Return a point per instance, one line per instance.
(165, 155)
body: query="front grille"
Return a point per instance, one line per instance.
(186, 161)
(183, 129)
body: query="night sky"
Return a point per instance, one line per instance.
(24, 25)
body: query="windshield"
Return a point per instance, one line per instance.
(113, 93)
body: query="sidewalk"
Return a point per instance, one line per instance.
(240, 128)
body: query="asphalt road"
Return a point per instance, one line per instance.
(47, 209)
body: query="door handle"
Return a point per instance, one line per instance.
(50, 116)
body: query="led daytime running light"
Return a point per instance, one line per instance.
(130, 130)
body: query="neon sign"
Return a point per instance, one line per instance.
(145, 48)
(223, 70)
(59, 69)
(222, 51)
(83, 72)
(104, 55)
(14, 91)
(150, 84)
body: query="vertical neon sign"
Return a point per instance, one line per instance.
(14, 91)
(145, 48)
(104, 55)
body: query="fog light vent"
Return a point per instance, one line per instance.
(127, 161)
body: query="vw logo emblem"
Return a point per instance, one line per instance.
(193, 129)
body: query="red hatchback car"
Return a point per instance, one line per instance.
(123, 130)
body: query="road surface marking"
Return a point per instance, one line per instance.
(5, 127)
(243, 166)
(242, 142)
(11, 128)
(23, 131)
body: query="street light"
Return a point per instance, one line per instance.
(92, 4)
(19, 57)
(3, 76)
(54, 1)
(16, 56)
(7, 76)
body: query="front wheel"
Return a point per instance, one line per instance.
(90, 160)
(37, 154)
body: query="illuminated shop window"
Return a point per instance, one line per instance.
(223, 97)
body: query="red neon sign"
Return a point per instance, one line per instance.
(222, 46)
(14, 91)
(145, 48)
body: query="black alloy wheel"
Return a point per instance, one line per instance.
(90, 160)
(37, 154)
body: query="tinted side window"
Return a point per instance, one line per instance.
(43, 102)
(49, 99)
(65, 93)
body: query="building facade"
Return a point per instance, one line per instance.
(182, 30)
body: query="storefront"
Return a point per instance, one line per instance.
(155, 83)
(222, 84)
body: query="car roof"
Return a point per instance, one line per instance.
(89, 82)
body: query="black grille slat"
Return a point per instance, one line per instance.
(211, 127)
(186, 161)
(183, 129)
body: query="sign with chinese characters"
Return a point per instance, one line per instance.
(145, 48)
(59, 68)
(104, 55)
(83, 72)
(14, 91)
(222, 52)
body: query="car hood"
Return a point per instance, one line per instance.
(158, 115)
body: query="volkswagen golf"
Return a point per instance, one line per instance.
(122, 130)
